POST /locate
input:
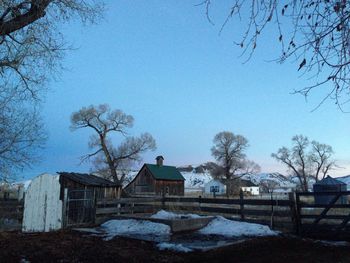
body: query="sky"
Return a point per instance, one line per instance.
(183, 81)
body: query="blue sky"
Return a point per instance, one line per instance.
(165, 64)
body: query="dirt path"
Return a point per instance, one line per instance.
(67, 246)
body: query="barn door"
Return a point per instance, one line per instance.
(80, 207)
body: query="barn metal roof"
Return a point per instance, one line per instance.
(329, 181)
(87, 179)
(165, 172)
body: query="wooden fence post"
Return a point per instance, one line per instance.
(199, 202)
(65, 208)
(241, 204)
(132, 207)
(118, 207)
(95, 207)
(272, 213)
(163, 200)
(293, 212)
(298, 214)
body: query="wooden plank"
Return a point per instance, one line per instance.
(267, 202)
(220, 210)
(306, 205)
(122, 210)
(340, 217)
(229, 201)
(181, 199)
(128, 201)
(322, 193)
(267, 212)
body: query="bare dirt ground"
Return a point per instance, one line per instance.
(69, 246)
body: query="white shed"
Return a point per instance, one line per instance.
(215, 186)
(249, 187)
(42, 206)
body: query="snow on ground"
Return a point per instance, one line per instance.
(196, 180)
(143, 229)
(162, 214)
(134, 227)
(174, 247)
(218, 226)
(228, 228)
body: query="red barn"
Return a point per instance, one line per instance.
(157, 179)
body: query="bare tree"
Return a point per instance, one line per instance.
(305, 162)
(313, 33)
(321, 159)
(268, 186)
(106, 122)
(229, 152)
(31, 48)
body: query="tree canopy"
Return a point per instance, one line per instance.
(229, 152)
(107, 158)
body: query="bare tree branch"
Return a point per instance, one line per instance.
(313, 33)
(305, 162)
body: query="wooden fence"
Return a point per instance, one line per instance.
(11, 214)
(278, 214)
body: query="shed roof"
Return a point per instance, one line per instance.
(165, 172)
(87, 179)
(247, 183)
(330, 181)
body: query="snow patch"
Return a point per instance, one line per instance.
(162, 214)
(134, 227)
(174, 247)
(228, 228)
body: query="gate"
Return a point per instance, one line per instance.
(80, 207)
(320, 219)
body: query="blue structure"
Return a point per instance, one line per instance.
(329, 184)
